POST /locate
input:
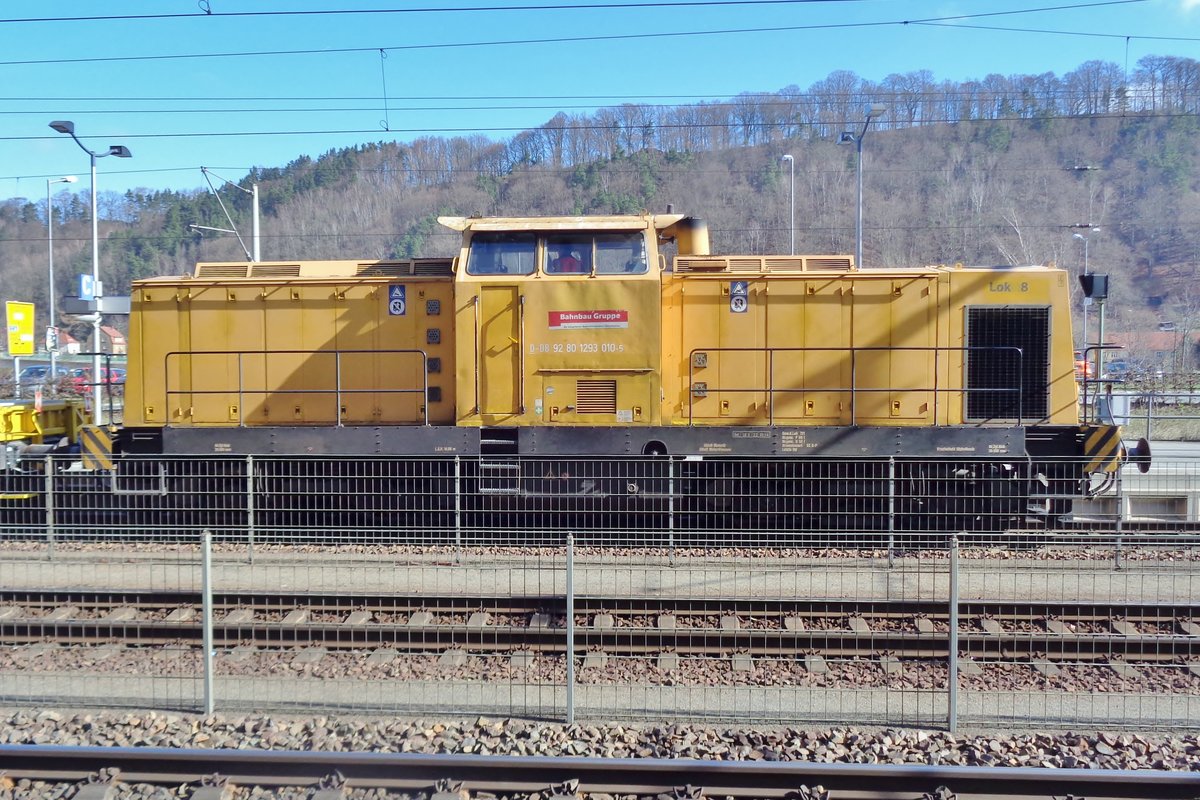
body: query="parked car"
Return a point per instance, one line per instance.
(37, 373)
(1119, 370)
(81, 377)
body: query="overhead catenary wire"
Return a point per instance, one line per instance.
(207, 13)
(576, 39)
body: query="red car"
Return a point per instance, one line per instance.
(81, 378)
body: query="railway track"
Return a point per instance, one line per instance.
(615, 626)
(214, 774)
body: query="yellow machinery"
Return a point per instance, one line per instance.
(328, 343)
(810, 340)
(579, 337)
(560, 323)
(25, 421)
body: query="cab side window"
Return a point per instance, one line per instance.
(568, 254)
(502, 254)
(620, 254)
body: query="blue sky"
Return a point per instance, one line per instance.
(459, 71)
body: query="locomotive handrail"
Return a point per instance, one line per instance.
(475, 383)
(338, 391)
(1089, 411)
(853, 388)
(521, 357)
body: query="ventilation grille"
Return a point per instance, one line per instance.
(828, 262)
(1002, 383)
(433, 266)
(699, 264)
(221, 270)
(274, 270)
(595, 397)
(384, 269)
(396, 269)
(764, 264)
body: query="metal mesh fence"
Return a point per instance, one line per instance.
(649, 501)
(99, 624)
(822, 592)
(1086, 629)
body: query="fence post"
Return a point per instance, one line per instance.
(1120, 492)
(671, 509)
(570, 628)
(891, 511)
(250, 507)
(206, 615)
(49, 488)
(952, 638)
(1149, 412)
(458, 509)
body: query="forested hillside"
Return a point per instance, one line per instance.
(998, 171)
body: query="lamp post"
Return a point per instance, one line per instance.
(850, 137)
(120, 151)
(53, 326)
(791, 162)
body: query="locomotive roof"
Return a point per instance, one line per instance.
(590, 222)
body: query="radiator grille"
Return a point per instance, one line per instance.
(994, 374)
(763, 263)
(433, 266)
(388, 269)
(221, 270)
(595, 397)
(274, 270)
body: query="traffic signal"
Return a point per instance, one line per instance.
(1094, 286)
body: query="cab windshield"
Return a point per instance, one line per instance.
(502, 254)
(562, 253)
(595, 253)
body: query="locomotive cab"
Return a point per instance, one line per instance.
(559, 321)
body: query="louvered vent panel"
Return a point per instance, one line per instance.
(700, 264)
(433, 266)
(1008, 363)
(595, 397)
(783, 264)
(221, 270)
(274, 270)
(386, 269)
(745, 264)
(842, 262)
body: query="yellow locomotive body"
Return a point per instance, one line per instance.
(293, 344)
(570, 361)
(560, 323)
(801, 341)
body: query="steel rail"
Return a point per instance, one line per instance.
(18, 626)
(883, 609)
(622, 641)
(511, 775)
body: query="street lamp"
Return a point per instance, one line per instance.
(120, 151)
(52, 338)
(850, 137)
(791, 162)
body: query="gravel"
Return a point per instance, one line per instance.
(1161, 549)
(845, 673)
(1102, 750)
(483, 736)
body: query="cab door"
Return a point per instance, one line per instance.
(499, 333)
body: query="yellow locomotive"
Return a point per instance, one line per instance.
(572, 338)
